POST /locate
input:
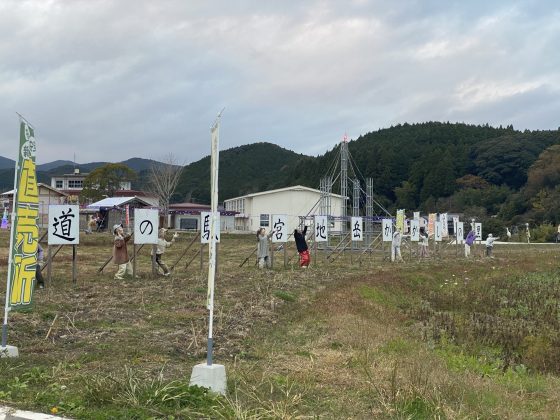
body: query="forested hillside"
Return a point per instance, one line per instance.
(481, 171)
(243, 170)
(437, 165)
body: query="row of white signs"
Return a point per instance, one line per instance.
(459, 227)
(64, 227)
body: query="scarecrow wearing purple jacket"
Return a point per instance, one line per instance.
(471, 236)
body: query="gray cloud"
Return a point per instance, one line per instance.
(109, 80)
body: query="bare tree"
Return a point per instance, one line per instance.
(163, 179)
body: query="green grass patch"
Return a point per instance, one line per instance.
(285, 296)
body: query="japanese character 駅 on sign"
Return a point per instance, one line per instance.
(205, 220)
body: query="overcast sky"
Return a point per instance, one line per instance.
(114, 79)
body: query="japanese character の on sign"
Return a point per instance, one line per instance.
(146, 224)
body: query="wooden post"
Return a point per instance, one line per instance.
(134, 261)
(285, 255)
(154, 269)
(74, 265)
(201, 257)
(315, 251)
(49, 261)
(272, 256)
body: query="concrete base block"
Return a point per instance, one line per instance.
(9, 351)
(213, 377)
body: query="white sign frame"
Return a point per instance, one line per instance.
(438, 231)
(460, 234)
(321, 222)
(478, 231)
(146, 226)
(206, 215)
(387, 230)
(357, 221)
(279, 225)
(58, 231)
(415, 230)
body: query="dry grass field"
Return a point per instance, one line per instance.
(441, 338)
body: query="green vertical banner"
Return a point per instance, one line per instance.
(25, 232)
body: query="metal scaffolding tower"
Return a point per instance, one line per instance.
(356, 198)
(344, 181)
(369, 210)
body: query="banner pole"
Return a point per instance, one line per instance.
(10, 251)
(9, 280)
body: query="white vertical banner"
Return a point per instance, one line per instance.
(146, 224)
(64, 225)
(460, 232)
(205, 227)
(387, 226)
(415, 230)
(416, 215)
(357, 229)
(455, 221)
(438, 231)
(321, 229)
(214, 231)
(478, 231)
(444, 225)
(279, 227)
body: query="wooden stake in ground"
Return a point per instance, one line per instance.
(49, 264)
(134, 261)
(154, 267)
(74, 263)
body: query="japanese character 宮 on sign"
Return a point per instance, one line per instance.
(279, 228)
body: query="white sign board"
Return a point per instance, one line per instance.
(387, 226)
(279, 228)
(146, 223)
(357, 229)
(444, 224)
(205, 227)
(455, 221)
(64, 225)
(438, 231)
(416, 215)
(478, 231)
(415, 230)
(460, 233)
(321, 229)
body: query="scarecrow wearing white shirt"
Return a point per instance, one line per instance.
(490, 245)
(160, 249)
